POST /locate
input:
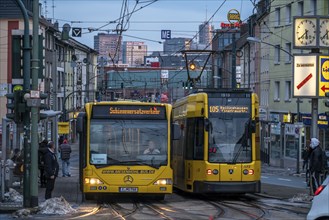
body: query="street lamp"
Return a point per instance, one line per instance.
(256, 40)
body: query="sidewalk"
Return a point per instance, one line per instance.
(288, 171)
(68, 187)
(285, 191)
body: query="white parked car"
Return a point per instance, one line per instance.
(320, 203)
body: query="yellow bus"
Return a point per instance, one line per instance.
(114, 157)
(218, 151)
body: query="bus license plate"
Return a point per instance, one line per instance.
(128, 189)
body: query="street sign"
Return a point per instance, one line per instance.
(63, 127)
(305, 76)
(165, 34)
(76, 32)
(323, 75)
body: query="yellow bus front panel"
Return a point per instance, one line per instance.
(128, 179)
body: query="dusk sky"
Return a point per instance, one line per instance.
(182, 17)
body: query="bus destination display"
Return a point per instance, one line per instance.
(129, 112)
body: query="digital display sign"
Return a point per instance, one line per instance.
(129, 111)
(229, 105)
(228, 109)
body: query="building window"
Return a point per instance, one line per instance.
(277, 17)
(288, 53)
(288, 91)
(277, 91)
(277, 54)
(313, 7)
(288, 14)
(300, 8)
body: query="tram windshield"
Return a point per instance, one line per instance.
(128, 142)
(230, 131)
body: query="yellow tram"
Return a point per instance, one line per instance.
(218, 150)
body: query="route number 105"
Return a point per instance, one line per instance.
(214, 108)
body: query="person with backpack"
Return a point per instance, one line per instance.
(65, 150)
(316, 164)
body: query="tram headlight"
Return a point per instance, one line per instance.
(163, 182)
(250, 172)
(93, 181)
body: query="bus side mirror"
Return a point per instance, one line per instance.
(176, 131)
(253, 126)
(80, 122)
(206, 124)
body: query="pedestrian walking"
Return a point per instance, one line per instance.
(315, 163)
(18, 162)
(41, 162)
(60, 140)
(305, 156)
(51, 169)
(65, 152)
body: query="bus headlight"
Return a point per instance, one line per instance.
(92, 181)
(163, 182)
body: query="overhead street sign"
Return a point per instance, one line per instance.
(76, 32)
(166, 34)
(305, 76)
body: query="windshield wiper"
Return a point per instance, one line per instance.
(243, 141)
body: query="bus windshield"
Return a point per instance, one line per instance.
(128, 142)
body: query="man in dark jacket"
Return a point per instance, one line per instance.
(315, 163)
(65, 150)
(41, 161)
(51, 169)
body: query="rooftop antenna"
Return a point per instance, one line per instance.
(53, 7)
(46, 11)
(206, 13)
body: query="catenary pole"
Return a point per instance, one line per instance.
(34, 109)
(26, 118)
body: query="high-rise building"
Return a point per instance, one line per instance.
(206, 34)
(133, 53)
(175, 45)
(109, 47)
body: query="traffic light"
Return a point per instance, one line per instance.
(16, 105)
(187, 85)
(43, 106)
(192, 66)
(41, 58)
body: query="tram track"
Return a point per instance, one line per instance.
(257, 212)
(120, 212)
(279, 204)
(185, 206)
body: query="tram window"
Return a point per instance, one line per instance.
(199, 138)
(190, 130)
(194, 139)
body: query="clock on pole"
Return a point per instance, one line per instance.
(305, 32)
(324, 32)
